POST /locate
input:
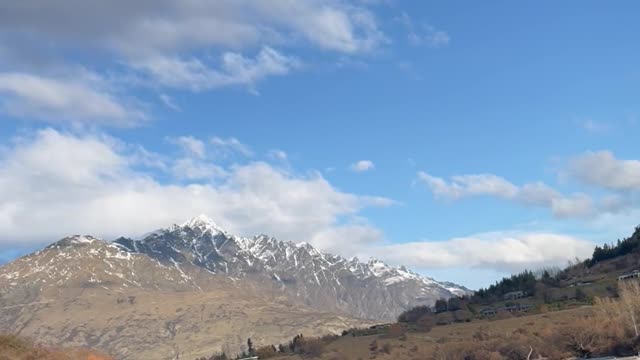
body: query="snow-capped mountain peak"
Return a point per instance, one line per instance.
(204, 224)
(323, 280)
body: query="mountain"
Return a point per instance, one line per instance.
(189, 290)
(370, 290)
(86, 292)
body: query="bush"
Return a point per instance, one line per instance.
(309, 347)
(266, 352)
(412, 315)
(395, 331)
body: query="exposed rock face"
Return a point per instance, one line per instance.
(193, 289)
(86, 292)
(370, 290)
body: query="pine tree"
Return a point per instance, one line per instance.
(250, 348)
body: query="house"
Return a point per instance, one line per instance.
(513, 295)
(380, 326)
(488, 312)
(631, 275)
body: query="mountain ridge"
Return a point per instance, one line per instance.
(192, 289)
(299, 267)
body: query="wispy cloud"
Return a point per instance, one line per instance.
(595, 127)
(234, 69)
(229, 146)
(168, 102)
(362, 166)
(84, 99)
(191, 145)
(277, 154)
(532, 194)
(423, 34)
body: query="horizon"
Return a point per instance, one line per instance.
(466, 143)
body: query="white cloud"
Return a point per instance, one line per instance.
(362, 166)
(54, 184)
(195, 169)
(423, 34)
(349, 240)
(191, 44)
(167, 26)
(593, 126)
(235, 69)
(230, 146)
(277, 154)
(168, 102)
(603, 169)
(191, 145)
(469, 185)
(502, 251)
(84, 98)
(532, 194)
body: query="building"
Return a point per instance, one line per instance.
(488, 312)
(380, 326)
(514, 295)
(631, 275)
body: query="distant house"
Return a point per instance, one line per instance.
(631, 275)
(488, 312)
(514, 295)
(380, 326)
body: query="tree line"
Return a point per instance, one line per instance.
(620, 248)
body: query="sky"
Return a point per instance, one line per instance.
(465, 140)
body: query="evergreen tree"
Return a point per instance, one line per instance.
(250, 348)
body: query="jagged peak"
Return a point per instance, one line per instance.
(200, 220)
(203, 223)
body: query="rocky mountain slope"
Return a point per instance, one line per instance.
(192, 289)
(86, 292)
(370, 290)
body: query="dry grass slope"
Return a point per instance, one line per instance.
(16, 348)
(610, 328)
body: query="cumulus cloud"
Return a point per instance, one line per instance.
(603, 169)
(53, 184)
(532, 194)
(362, 166)
(85, 98)
(504, 252)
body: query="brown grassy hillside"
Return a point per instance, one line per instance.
(609, 328)
(16, 348)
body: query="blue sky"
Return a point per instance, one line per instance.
(448, 136)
